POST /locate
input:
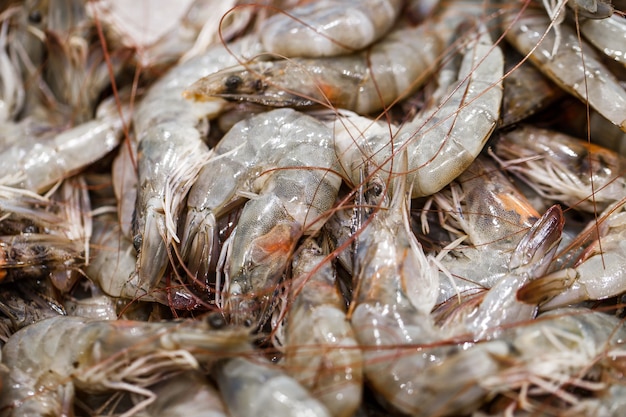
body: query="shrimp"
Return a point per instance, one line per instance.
(364, 82)
(292, 174)
(599, 272)
(530, 260)
(329, 27)
(51, 358)
(559, 167)
(169, 160)
(588, 80)
(75, 71)
(37, 163)
(255, 387)
(442, 140)
(397, 288)
(295, 177)
(320, 349)
(556, 353)
(169, 130)
(485, 206)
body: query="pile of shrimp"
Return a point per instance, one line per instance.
(312, 208)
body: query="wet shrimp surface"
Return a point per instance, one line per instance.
(312, 208)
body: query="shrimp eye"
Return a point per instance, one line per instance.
(216, 321)
(233, 82)
(35, 17)
(137, 241)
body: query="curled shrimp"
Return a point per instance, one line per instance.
(443, 139)
(51, 358)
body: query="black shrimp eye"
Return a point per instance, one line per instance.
(233, 82)
(216, 320)
(35, 17)
(137, 242)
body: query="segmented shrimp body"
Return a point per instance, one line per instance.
(320, 347)
(36, 163)
(396, 291)
(255, 387)
(576, 67)
(329, 27)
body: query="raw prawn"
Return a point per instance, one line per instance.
(364, 82)
(285, 161)
(37, 163)
(442, 140)
(397, 288)
(51, 358)
(171, 151)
